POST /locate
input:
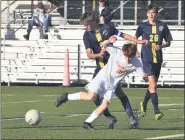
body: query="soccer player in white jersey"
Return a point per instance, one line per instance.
(121, 63)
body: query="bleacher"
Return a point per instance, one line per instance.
(42, 61)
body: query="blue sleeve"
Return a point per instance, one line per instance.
(167, 34)
(139, 31)
(116, 31)
(86, 41)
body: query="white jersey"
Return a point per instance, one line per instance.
(106, 81)
(116, 59)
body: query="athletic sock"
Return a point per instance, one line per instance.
(126, 104)
(146, 99)
(154, 98)
(74, 96)
(91, 118)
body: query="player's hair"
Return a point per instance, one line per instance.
(87, 16)
(130, 48)
(152, 6)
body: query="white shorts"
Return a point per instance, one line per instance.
(100, 86)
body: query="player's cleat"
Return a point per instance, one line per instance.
(143, 110)
(159, 116)
(112, 120)
(62, 99)
(133, 123)
(88, 126)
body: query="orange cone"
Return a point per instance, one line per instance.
(66, 81)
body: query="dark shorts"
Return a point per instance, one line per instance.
(96, 72)
(152, 69)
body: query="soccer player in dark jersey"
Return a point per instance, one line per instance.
(151, 55)
(93, 38)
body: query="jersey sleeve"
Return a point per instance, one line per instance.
(138, 66)
(167, 34)
(139, 31)
(116, 31)
(86, 41)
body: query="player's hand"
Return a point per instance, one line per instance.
(142, 42)
(102, 52)
(112, 39)
(145, 77)
(157, 47)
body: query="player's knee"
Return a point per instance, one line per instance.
(152, 88)
(92, 96)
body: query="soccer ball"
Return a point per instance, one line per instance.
(33, 117)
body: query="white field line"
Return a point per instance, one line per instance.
(33, 101)
(65, 115)
(166, 137)
(169, 104)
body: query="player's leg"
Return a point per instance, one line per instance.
(147, 67)
(154, 97)
(111, 119)
(98, 111)
(126, 104)
(89, 96)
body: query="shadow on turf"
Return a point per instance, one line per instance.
(170, 128)
(57, 127)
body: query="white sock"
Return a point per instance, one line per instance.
(91, 118)
(74, 96)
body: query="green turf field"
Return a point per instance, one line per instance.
(66, 121)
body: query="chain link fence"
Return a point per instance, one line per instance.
(125, 12)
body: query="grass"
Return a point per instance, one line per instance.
(58, 124)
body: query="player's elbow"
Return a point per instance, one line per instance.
(90, 56)
(169, 44)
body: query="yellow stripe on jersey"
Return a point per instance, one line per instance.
(153, 44)
(99, 39)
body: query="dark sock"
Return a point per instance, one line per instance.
(154, 99)
(106, 112)
(146, 99)
(126, 104)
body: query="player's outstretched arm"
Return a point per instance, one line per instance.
(134, 40)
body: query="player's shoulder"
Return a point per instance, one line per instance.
(86, 34)
(161, 23)
(143, 24)
(105, 26)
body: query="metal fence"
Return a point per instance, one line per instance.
(125, 12)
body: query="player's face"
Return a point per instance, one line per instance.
(87, 27)
(90, 25)
(151, 14)
(127, 54)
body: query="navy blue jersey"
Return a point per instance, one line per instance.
(92, 41)
(155, 35)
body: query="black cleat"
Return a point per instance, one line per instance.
(112, 120)
(62, 99)
(26, 36)
(88, 126)
(133, 123)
